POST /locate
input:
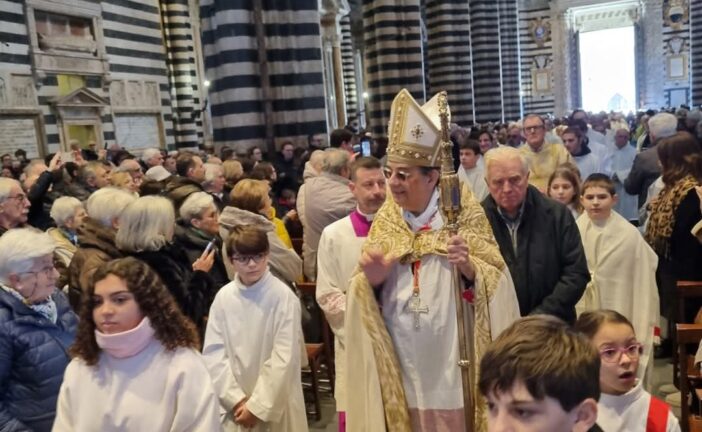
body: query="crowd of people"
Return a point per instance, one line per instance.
(158, 291)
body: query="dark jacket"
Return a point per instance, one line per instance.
(80, 190)
(193, 291)
(549, 270)
(685, 249)
(179, 188)
(96, 245)
(33, 357)
(194, 242)
(644, 171)
(41, 200)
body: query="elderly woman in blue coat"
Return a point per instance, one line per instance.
(37, 326)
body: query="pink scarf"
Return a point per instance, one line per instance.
(360, 224)
(128, 343)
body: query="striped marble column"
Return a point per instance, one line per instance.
(448, 56)
(487, 85)
(348, 67)
(696, 51)
(182, 71)
(393, 53)
(294, 60)
(509, 58)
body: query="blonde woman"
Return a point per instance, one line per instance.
(251, 205)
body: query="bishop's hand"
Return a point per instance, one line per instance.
(458, 255)
(376, 266)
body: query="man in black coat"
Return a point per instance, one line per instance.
(538, 239)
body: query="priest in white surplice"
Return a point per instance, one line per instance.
(622, 265)
(621, 159)
(337, 257)
(401, 332)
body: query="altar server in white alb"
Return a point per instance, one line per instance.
(622, 265)
(252, 342)
(621, 158)
(624, 405)
(472, 168)
(136, 365)
(338, 254)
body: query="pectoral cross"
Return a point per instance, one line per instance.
(415, 306)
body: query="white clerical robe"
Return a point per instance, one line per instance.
(428, 355)
(629, 412)
(623, 271)
(252, 349)
(154, 390)
(621, 160)
(475, 179)
(588, 164)
(337, 257)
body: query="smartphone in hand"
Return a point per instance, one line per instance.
(210, 245)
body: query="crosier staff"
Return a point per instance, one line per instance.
(450, 190)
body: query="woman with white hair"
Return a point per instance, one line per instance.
(68, 214)
(38, 326)
(197, 228)
(96, 239)
(146, 232)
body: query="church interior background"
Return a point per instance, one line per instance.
(183, 73)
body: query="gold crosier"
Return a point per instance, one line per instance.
(450, 190)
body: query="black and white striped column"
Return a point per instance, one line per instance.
(348, 67)
(509, 58)
(182, 71)
(294, 60)
(448, 56)
(393, 53)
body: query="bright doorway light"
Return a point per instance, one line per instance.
(608, 70)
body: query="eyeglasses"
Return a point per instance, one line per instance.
(402, 175)
(612, 355)
(47, 271)
(532, 129)
(245, 259)
(19, 197)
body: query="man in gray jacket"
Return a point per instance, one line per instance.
(327, 198)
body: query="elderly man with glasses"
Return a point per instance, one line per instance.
(14, 205)
(543, 157)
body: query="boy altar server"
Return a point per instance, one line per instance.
(622, 265)
(252, 342)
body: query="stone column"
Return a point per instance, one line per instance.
(178, 40)
(509, 58)
(393, 53)
(349, 69)
(331, 40)
(696, 51)
(448, 33)
(560, 35)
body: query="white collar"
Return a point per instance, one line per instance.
(418, 222)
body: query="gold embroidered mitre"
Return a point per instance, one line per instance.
(414, 131)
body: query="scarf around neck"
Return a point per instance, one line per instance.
(127, 343)
(662, 219)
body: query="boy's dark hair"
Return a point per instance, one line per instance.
(547, 356)
(247, 240)
(599, 180)
(338, 136)
(589, 323)
(367, 162)
(469, 144)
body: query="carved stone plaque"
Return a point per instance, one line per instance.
(19, 133)
(137, 131)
